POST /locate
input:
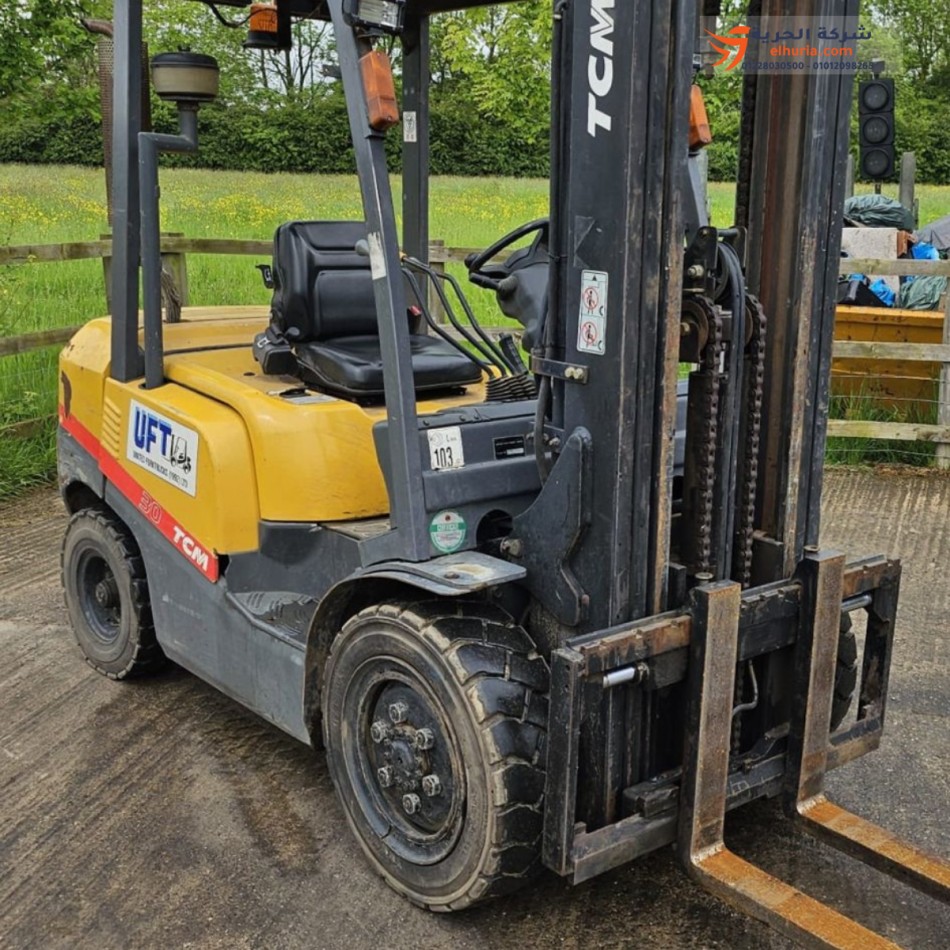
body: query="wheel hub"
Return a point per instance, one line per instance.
(106, 592)
(408, 767)
(99, 596)
(413, 760)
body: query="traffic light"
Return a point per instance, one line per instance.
(876, 128)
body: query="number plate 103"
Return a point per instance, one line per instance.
(445, 448)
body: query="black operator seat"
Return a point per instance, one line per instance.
(323, 325)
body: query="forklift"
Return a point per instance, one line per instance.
(546, 606)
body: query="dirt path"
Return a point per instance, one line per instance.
(159, 814)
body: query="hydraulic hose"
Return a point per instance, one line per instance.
(439, 331)
(418, 265)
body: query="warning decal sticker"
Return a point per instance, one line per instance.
(592, 321)
(447, 531)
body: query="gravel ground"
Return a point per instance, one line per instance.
(160, 814)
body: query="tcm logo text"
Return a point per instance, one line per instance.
(190, 548)
(600, 65)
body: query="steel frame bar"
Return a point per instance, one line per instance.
(415, 151)
(816, 654)
(150, 145)
(714, 648)
(622, 557)
(794, 151)
(409, 539)
(127, 123)
(560, 793)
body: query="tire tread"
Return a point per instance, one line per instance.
(147, 657)
(496, 664)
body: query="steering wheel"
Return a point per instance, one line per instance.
(476, 262)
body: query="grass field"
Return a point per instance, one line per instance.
(43, 205)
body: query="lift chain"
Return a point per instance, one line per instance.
(711, 384)
(755, 385)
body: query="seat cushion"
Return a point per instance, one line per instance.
(353, 366)
(344, 304)
(303, 252)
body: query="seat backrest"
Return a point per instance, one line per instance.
(322, 287)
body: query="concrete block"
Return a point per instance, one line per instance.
(874, 243)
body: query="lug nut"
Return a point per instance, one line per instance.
(424, 739)
(431, 785)
(385, 776)
(379, 730)
(398, 712)
(411, 803)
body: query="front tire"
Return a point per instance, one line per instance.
(107, 595)
(434, 719)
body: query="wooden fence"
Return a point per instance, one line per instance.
(176, 247)
(937, 432)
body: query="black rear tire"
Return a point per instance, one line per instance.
(107, 597)
(452, 694)
(846, 671)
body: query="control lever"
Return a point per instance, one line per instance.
(480, 280)
(267, 275)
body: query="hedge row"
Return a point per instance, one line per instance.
(293, 138)
(315, 138)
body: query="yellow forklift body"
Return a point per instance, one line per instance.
(278, 451)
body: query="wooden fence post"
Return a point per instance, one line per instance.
(176, 264)
(437, 263)
(908, 178)
(943, 390)
(107, 272)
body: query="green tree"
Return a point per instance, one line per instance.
(923, 27)
(495, 62)
(44, 45)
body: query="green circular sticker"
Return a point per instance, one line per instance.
(447, 531)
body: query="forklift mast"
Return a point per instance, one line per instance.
(620, 193)
(621, 91)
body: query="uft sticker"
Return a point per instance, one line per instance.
(447, 531)
(163, 447)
